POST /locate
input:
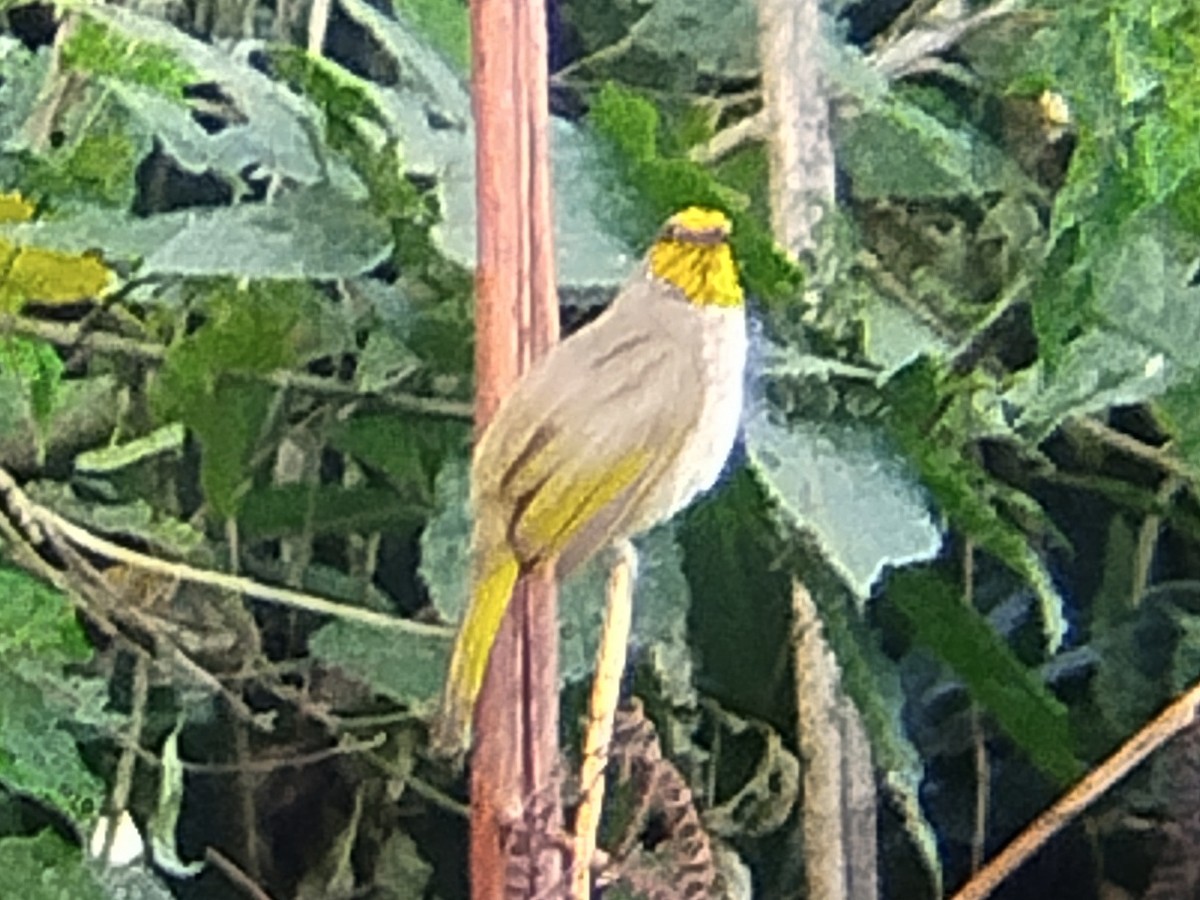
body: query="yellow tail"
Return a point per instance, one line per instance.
(490, 595)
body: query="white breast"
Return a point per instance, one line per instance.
(703, 456)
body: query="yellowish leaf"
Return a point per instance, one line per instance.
(51, 276)
(15, 208)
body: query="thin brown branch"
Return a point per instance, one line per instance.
(606, 692)
(240, 879)
(934, 34)
(1175, 718)
(821, 749)
(104, 342)
(1160, 457)
(247, 587)
(123, 778)
(749, 130)
(983, 777)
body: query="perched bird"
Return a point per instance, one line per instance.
(614, 430)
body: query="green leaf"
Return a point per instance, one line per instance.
(718, 38)
(324, 509)
(444, 567)
(446, 24)
(266, 327)
(39, 635)
(37, 622)
(408, 668)
(1179, 410)
(664, 185)
(45, 867)
(23, 74)
(108, 460)
(279, 123)
(429, 115)
(402, 872)
(97, 167)
(959, 636)
(1095, 372)
(38, 756)
(963, 490)
(98, 50)
(1138, 335)
(740, 615)
(849, 489)
(897, 149)
(1143, 289)
(37, 369)
(316, 232)
(409, 450)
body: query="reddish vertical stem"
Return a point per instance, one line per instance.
(516, 721)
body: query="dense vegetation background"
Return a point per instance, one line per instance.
(235, 352)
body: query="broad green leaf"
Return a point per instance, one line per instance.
(665, 184)
(716, 37)
(588, 253)
(896, 149)
(408, 449)
(37, 622)
(98, 50)
(1142, 328)
(681, 46)
(38, 756)
(97, 167)
(24, 73)
(39, 635)
(402, 871)
(962, 489)
(1179, 410)
(324, 509)
(740, 599)
(39, 371)
(857, 497)
(893, 336)
(281, 124)
(46, 867)
(959, 636)
(314, 232)
(447, 25)
(445, 567)
(1096, 371)
(207, 380)
(408, 668)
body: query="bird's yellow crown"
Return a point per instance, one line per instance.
(692, 252)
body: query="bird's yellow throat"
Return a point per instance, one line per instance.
(693, 254)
